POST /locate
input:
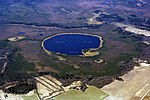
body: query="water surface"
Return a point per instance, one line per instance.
(71, 44)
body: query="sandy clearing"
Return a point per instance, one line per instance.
(10, 96)
(136, 84)
(133, 29)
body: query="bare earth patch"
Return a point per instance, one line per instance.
(135, 85)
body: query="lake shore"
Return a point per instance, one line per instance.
(89, 53)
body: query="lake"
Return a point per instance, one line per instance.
(71, 44)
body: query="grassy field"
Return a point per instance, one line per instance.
(32, 97)
(92, 93)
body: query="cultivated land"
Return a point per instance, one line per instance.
(92, 93)
(134, 87)
(40, 19)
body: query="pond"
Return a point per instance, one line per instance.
(71, 43)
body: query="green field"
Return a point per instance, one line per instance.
(92, 93)
(33, 97)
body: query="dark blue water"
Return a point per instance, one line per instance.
(71, 44)
(21, 33)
